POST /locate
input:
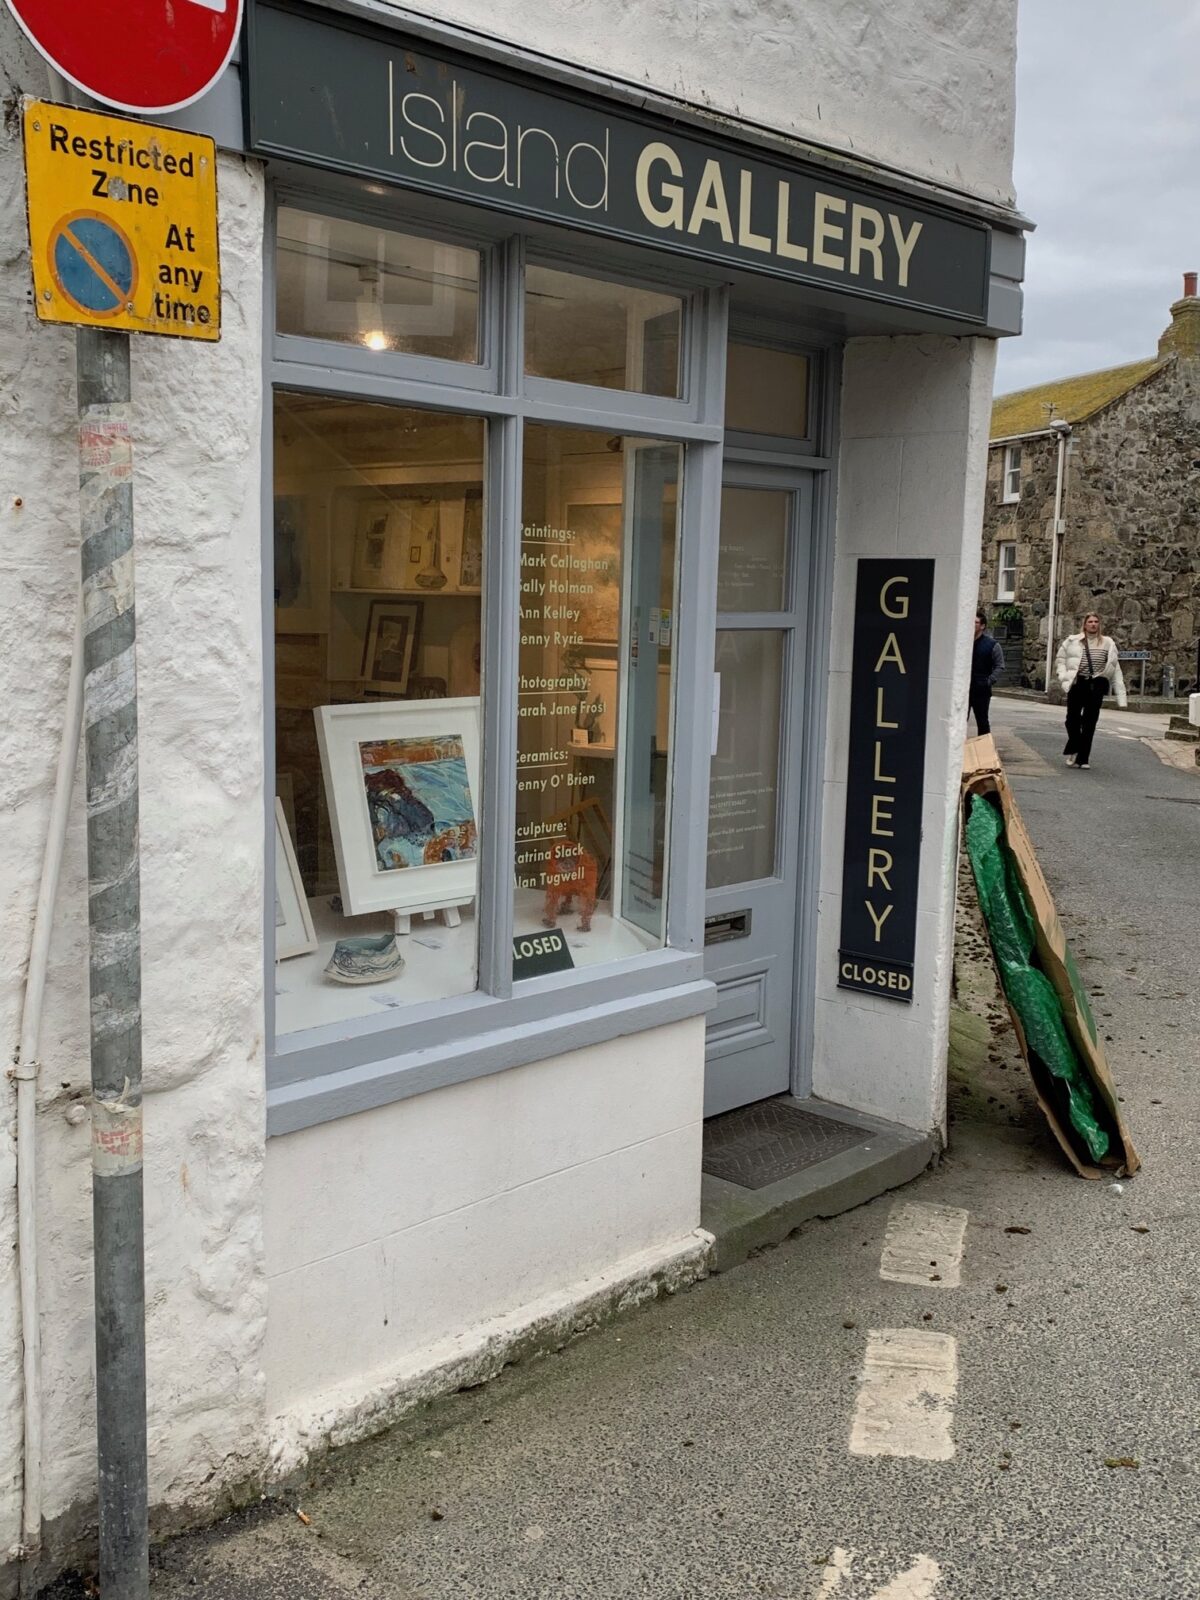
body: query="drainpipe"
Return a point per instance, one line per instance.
(1063, 430)
(26, 1074)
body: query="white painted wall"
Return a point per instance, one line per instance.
(430, 1220)
(921, 85)
(915, 416)
(196, 427)
(453, 1211)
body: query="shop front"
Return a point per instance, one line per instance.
(590, 425)
(559, 615)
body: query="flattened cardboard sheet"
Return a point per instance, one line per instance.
(983, 774)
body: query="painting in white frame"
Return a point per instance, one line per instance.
(402, 782)
(294, 932)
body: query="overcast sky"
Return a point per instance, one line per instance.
(1108, 166)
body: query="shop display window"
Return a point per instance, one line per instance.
(608, 335)
(372, 286)
(379, 544)
(442, 855)
(595, 691)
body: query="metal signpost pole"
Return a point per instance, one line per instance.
(1063, 430)
(97, 256)
(114, 915)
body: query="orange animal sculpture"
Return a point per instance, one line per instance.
(570, 871)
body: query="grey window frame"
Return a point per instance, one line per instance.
(778, 449)
(664, 409)
(342, 1068)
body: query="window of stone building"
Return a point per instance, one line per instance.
(1011, 488)
(1006, 571)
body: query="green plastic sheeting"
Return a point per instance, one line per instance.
(1030, 992)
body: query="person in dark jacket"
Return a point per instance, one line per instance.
(987, 663)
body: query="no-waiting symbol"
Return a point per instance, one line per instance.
(93, 264)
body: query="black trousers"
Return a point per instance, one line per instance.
(979, 701)
(1084, 699)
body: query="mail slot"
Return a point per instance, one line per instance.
(730, 925)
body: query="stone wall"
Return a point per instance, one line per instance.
(1131, 545)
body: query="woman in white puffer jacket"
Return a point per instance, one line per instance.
(1088, 666)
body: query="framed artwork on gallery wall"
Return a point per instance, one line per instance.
(390, 646)
(294, 932)
(596, 531)
(301, 543)
(380, 559)
(402, 780)
(470, 564)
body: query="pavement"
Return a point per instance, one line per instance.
(835, 1419)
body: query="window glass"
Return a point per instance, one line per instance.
(595, 689)
(1006, 569)
(371, 286)
(379, 546)
(609, 335)
(766, 391)
(752, 566)
(1012, 472)
(744, 775)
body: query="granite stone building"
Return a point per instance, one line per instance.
(1130, 509)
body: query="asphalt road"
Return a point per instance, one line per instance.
(700, 1448)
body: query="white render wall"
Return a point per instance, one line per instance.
(911, 478)
(602, 1164)
(196, 429)
(397, 1237)
(921, 85)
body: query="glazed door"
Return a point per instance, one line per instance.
(754, 819)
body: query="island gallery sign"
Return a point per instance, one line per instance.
(885, 776)
(349, 97)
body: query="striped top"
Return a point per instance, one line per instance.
(1095, 656)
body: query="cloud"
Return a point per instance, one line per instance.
(1108, 166)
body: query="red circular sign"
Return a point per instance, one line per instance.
(136, 55)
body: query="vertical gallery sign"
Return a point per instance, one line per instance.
(889, 694)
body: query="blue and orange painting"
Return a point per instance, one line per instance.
(419, 801)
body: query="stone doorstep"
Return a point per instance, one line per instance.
(745, 1220)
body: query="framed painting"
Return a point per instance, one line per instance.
(294, 933)
(470, 566)
(380, 558)
(301, 547)
(402, 780)
(597, 538)
(390, 646)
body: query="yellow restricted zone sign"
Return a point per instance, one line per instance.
(122, 223)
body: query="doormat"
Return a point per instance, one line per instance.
(761, 1144)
